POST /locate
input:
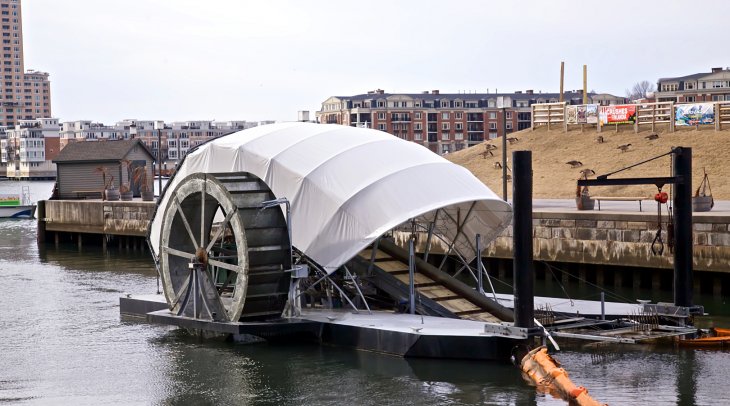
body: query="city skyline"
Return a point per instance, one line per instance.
(185, 60)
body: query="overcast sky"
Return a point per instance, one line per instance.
(266, 59)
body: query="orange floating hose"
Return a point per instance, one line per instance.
(549, 377)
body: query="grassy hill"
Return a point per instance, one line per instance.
(553, 178)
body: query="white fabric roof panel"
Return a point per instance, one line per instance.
(348, 185)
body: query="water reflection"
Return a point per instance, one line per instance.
(312, 374)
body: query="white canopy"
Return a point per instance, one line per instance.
(347, 186)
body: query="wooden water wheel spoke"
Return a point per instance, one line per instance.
(224, 265)
(182, 291)
(202, 216)
(178, 253)
(185, 221)
(221, 229)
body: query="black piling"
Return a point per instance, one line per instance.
(683, 283)
(523, 270)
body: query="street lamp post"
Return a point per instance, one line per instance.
(501, 104)
(158, 127)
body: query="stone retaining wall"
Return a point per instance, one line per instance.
(618, 239)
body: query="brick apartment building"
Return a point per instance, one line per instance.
(710, 86)
(444, 122)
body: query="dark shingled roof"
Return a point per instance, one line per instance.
(98, 151)
(685, 78)
(465, 96)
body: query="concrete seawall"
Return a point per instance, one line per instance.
(618, 238)
(98, 217)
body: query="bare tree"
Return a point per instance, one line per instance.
(640, 90)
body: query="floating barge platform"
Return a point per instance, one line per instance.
(405, 335)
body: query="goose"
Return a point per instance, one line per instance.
(624, 147)
(497, 165)
(512, 140)
(587, 172)
(600, 139)
(574, 164)
(652, 136)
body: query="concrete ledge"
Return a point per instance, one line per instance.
(130, 218)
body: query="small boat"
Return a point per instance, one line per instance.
(715, 337)
(17, 206)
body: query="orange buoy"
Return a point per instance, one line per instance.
(549, 377)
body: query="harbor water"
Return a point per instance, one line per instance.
(62, 342)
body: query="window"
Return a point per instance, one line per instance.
(689, 85)
(492, 115)
(445, 136)
(417, 136)
(381, 103)
(459, 115)
(492, 136)
(492, 126)
(509, 125)
(459, 136)
(418, 115)
(381, 127)
(459, 126)
(444, 103)
(509, 115)
(445, 126)
(418, 126)
(689, 99)
(381, 116)
(444, 116)
(718, 97)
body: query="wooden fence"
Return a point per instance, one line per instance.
(554, 115)
(549, 114)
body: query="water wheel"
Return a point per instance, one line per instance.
(222, 256)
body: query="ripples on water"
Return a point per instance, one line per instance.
(62, 342)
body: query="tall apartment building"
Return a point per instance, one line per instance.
(444, 122)
(698, 87)
(23, 95)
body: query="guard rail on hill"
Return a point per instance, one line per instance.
(722, 115)
(653, 114)
(549, 114)
(696, 115)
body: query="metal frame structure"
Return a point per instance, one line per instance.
(682, 210)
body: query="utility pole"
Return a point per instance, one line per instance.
(562, 79)
(585, 84)
(159, 155)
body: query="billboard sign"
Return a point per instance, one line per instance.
(582, 114)
(571, 114)
(619, 114)
(591, 114)
(694, 114)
